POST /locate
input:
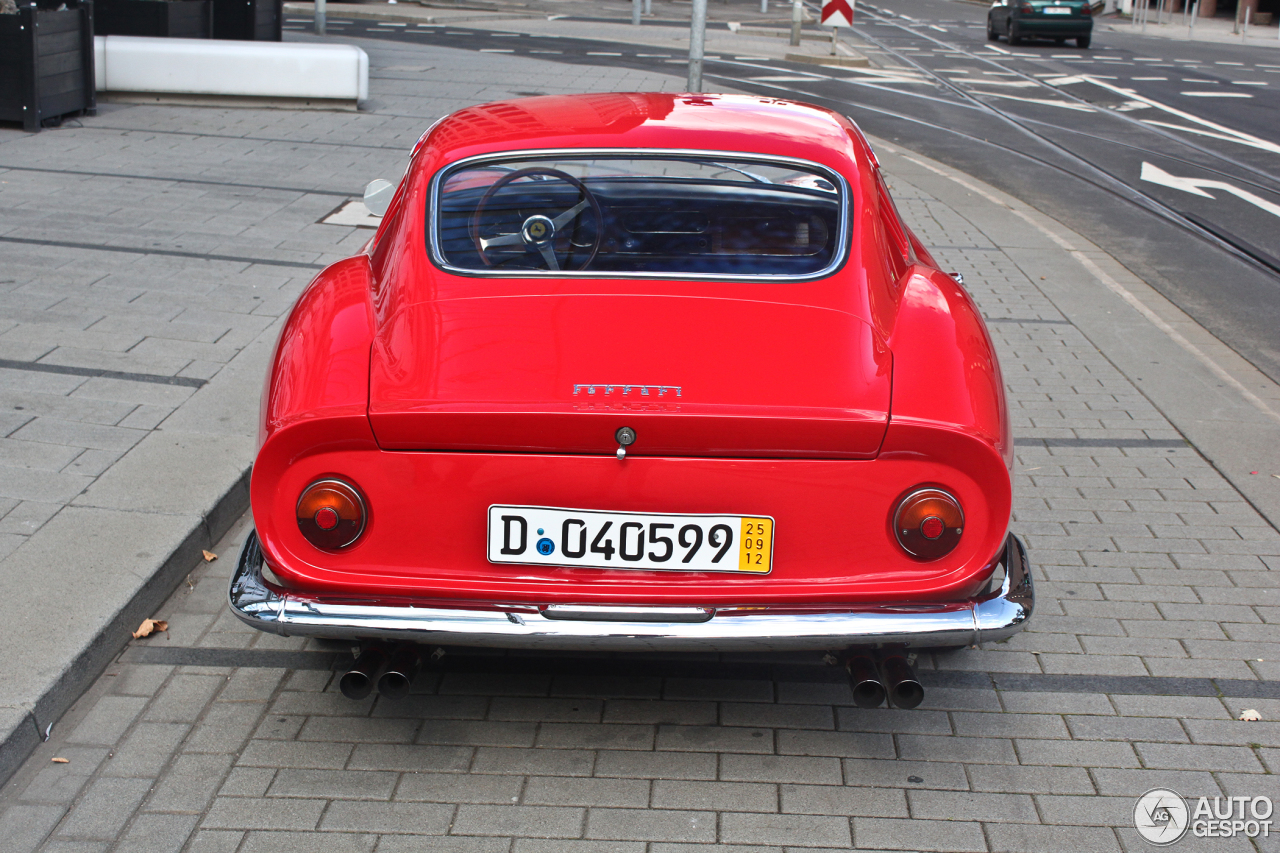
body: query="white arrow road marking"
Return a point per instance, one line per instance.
(1194, 130)
(1196, 186)
(1234, 135)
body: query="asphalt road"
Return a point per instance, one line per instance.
(1183, 188)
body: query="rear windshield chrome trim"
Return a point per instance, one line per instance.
(437, 180)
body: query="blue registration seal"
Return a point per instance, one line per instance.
(545, 546)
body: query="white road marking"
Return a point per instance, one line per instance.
(1150, 78)
(1197, 186)
(495, 50)
(1250, 82)
(997, 49)
(784, 79)
(1234, 135)
(1228, 63)
(1197, 131)
(1216, 94)
(1066, 105)
(1017, 84)
(602, 53)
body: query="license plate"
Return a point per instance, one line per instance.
(547, 536)
(1057, 10)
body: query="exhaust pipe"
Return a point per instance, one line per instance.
(403, 668)
(868, 691)
(359, 680)
(905, 690)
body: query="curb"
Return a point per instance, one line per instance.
(307, 8)
(27, 732)
(844, 61)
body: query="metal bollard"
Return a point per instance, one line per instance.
(319, 20)
(697, 38)
(797, 18)
(636, 9)
(764, 7)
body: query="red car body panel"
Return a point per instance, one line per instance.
(440, 394)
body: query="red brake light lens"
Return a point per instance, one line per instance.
(928, 524)
(331, 514)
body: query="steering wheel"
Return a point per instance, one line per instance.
(540, 233)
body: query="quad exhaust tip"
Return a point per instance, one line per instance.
(358, 682)
(884, 675)
(392, 674)
(396, 682)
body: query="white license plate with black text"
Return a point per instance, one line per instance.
(550, 536)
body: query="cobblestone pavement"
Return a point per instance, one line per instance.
(1154, 629)
(146, 257)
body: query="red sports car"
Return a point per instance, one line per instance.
(637, 372)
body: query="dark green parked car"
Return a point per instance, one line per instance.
(1059, 20)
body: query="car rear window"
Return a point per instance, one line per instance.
(673, 214)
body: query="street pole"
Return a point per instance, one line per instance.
(797, 18)
(764, 7)
(636, 9)
(697, 37)
(319, 24)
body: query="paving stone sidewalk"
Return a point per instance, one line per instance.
(1154, 627)
(146, 257)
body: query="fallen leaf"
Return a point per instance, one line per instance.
(1249, 715)
(209, 556)
(149, 627)
(61, 760)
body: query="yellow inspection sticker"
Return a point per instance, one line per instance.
(755, 545)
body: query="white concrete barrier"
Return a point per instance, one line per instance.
(337, 72)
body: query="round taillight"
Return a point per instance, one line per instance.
(331, 514)
(928, 524)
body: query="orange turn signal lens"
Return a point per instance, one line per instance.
(928, 524)
(331, 514)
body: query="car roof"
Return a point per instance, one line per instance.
(647, 120)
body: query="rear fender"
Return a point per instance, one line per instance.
(315, 398)
(948, 392)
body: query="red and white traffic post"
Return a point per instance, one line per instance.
(836, 14)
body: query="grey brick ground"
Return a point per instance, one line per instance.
(1148, 563)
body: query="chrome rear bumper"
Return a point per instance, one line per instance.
(1000, 612)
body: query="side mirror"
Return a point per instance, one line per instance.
(377, 196)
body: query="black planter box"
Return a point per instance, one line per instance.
(46, 64)
(180, 19)
(248, 20)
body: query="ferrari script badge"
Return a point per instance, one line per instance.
(641, 390)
